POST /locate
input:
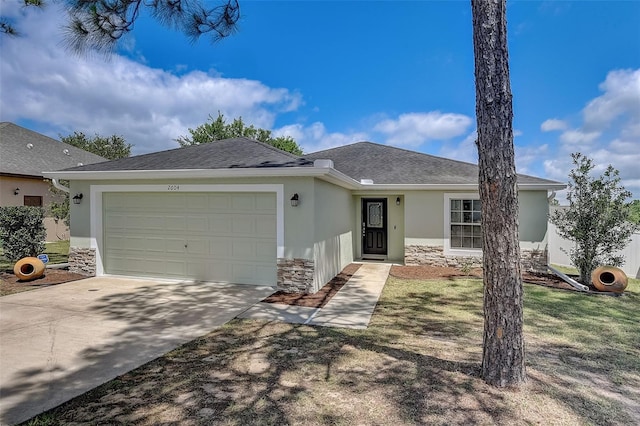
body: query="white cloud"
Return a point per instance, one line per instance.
(621, 99)
(553, 124)
(466, 150)
(413, 129)
(528, 156)
(316, 138)
(609, 132)
(149, 107)
(575, 137)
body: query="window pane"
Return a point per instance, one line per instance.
(456, 230)
(466, 217)
(476, 205)
(467, 242)
(456, 242)
(456, 217)
(476, 217)
(467, 205)
(456, 204)
(467, 230)
(477, 242)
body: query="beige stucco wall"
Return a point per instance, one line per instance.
(333, 231)
(424, 218)
(35, 187)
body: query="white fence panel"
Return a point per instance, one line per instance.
(631, 252)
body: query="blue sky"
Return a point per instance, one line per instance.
(332, 73)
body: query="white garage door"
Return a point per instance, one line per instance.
(226, 237)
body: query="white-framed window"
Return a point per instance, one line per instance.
(463, 231)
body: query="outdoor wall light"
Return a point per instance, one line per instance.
(16, 191)
(398, 201)
(294, 200)
(77, 198)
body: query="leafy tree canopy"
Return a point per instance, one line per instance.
(112, 147)
(634, 215)
(218, 129)
(597, 219)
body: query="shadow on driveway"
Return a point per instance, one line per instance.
(61, 341)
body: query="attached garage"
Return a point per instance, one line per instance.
(206, 236)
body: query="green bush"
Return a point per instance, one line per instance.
(22, 231)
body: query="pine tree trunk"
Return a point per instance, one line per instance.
(503, 362)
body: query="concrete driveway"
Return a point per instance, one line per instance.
(58, 342)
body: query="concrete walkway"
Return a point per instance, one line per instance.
(351, 307)
(58, 342)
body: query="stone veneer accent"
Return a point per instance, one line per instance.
(296, 275)
(82, 261)
(531, 259)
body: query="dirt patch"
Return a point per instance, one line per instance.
(432, 272)
(319, 299)
(438, 272)
(10, 284)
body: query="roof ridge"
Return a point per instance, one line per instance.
(281, 151)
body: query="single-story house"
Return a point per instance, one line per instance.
(24, 156)
(242, 211)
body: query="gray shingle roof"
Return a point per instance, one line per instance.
(223, 154)
(27, 153)
(363, 160)
(389, 165)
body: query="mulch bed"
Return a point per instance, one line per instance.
(10, 284)
(319, 299)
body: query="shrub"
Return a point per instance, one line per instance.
(597, 219)
(22, 231)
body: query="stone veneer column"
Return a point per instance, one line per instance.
(82, 261)
(296, 275)
(530, 259)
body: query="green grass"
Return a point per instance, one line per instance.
(58, 253)
(417, 363)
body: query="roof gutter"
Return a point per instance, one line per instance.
(320, 170)
(326, 173)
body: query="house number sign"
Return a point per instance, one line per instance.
(173, 187)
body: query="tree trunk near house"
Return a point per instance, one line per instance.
(503, 357)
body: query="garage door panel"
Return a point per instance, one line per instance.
(221, 223)
(173, 223)
(173, 245)
(265, 202)
(265, 249)
(197, 202)
(229, 237)
(197, 223)
(264, 226)
(243, 225)
(243, 202)
(197, 247)
(220, 247)
(219, 202)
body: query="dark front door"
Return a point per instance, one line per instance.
(374, 226)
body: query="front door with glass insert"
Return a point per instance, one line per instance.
(374, 226)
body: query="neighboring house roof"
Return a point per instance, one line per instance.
(349, 165)
(224, 154)
(24, 152)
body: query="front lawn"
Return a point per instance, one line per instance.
(417, 363)
(58, 253)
